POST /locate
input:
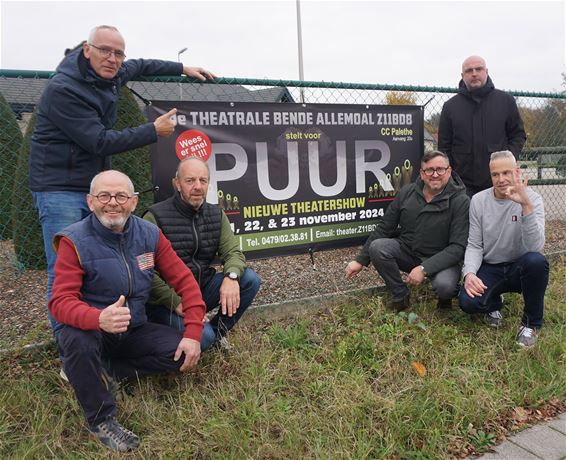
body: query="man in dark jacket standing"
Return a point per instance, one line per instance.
(476, 122)
(73, 137)
(424, 233)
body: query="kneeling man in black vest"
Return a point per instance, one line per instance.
(200, 231)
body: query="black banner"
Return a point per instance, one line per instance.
(294, 176)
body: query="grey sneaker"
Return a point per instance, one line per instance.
(115, 436)
(494, 319)
(526, 337)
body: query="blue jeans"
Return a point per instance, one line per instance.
(528, 274)
(57, 210)
(220, 324)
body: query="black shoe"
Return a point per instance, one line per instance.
(444, 304)
(115, 436)
(400, 305)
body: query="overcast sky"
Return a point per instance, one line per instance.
(416, 43)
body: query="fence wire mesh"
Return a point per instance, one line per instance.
(543, 159)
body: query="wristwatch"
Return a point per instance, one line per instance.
(233, 276)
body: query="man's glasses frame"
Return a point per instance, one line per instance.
(107, 52)
(121, 198)
(439, 171)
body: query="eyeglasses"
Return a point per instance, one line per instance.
(105, 197)
(439, 171)
(107, 52)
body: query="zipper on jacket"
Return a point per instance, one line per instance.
(195, 233)
(130, 280)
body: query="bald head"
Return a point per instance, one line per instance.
(474, 72)
(114, 177)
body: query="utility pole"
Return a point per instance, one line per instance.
(300, 45)
(180, 84)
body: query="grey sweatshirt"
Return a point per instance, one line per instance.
(499, 232)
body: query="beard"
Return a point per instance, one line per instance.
(114, 224)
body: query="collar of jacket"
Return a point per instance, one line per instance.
(476, 94)
(185, 208)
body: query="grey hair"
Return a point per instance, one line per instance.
(131, 188)
(503, 154)
(205, 163)
(97, 28)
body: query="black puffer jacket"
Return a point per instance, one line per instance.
(473, 125)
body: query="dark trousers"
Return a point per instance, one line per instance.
(528, 274)
(143, 350)
(389, 256)
(220, 324)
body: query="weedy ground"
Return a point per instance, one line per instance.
(352, 381)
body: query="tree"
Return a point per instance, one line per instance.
(400, 98)
(10, 143)
(545, 126)
(27, 235)
(135, 163)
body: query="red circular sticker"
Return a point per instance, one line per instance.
(193, 143)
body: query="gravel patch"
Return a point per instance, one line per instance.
(23, 318)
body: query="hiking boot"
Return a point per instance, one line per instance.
(444, 304)
(115, 436)
(526, 337)
(494, 319)
(400, 305)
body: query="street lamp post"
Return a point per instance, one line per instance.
(300, 46)
(180, 84)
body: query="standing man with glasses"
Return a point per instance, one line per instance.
(73, 137)
(423, 233)
(476, 122)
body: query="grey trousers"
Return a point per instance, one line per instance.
(389, 256)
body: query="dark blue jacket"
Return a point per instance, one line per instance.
(115, 264)
(73, 134)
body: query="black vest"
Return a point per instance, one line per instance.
(195, 235)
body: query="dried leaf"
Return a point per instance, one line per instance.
(419, 368)
(520, 415)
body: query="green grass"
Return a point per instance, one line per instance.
(336, 384)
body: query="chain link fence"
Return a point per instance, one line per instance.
(543, 159)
